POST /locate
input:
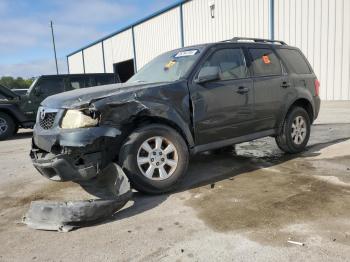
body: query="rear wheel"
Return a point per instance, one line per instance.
(155, 158)
(7, 126)
(295, 131)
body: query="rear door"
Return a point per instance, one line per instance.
(223, 109)
(299, 70)
(271, 86)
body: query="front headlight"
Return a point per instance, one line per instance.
(77, 119)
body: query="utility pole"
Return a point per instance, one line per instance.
(54, 46)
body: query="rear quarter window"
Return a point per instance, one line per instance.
(294, 61)
(265, 62)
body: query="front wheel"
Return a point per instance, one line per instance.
(7, 126)
(295, 131)
(155, 158)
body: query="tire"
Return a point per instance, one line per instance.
(136, 161)
(7, 126)
(294, 136)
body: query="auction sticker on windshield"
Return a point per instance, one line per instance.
(186, 53)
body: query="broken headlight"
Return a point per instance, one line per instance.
(79, 119)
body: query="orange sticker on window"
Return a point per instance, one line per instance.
(266, 59)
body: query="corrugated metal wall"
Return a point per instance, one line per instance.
(321, 29)
(156, 36)
(75, 63)
(232, 18)
(117, 49)
(93, 58)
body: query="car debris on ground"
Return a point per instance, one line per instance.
(296, 243)
(112, 189)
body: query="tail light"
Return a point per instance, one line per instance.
(317, 87)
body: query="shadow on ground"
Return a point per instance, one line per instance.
(22, 135)
(207, 169)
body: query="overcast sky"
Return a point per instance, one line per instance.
(25, 36)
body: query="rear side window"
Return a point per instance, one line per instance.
(231, 63)
(265, 62)
(103, 80)
(50, 87)
(294, 61)
(76, 83)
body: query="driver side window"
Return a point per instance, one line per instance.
(231, 63)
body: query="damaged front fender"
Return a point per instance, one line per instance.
(129, 112)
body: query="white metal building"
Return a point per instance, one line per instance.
(320, 28)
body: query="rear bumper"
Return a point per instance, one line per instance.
(317, 105)
(72, 155)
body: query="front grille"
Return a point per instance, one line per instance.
(48, 121)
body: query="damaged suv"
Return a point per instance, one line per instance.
(185, 101)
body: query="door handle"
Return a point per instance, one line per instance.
(242, 90)
(285, 84)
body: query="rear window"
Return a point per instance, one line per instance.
(265, 62)
(294, 61)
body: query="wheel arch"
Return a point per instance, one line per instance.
(146, 120)
(301, 102)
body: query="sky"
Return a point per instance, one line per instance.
(25, 35)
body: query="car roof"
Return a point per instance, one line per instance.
(248, 42)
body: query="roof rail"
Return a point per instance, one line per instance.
(256, 40)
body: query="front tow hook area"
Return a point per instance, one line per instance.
(111, 191)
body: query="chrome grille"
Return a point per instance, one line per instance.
(48, 120)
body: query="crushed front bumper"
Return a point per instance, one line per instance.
(72, 155)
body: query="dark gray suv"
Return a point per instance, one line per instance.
(183, 102)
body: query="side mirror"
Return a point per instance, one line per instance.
(207, 74)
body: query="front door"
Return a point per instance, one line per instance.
(223, 108)
(43, 88)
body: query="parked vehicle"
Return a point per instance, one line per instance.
(20, 92)
(185, 101)
(19, 111)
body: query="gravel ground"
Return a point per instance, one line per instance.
(241, 206)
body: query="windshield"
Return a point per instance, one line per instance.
(167, 67)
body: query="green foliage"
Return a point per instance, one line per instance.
(15, 83)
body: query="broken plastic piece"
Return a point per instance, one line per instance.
(114, 189)
(296, 243)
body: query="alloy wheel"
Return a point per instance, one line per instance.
(3, 126)
(157, 158)
(299, 130)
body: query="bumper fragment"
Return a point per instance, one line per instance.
(113, 189)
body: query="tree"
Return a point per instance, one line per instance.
(16, 83)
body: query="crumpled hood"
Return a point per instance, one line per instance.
(80, 97)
